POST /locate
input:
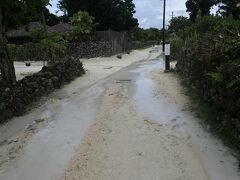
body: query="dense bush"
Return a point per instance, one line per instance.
(25, 52)
(51, 46)
(208, 54)
(37, 34)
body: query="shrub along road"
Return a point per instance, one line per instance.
(125, 119)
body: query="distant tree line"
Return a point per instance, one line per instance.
(109, 14)
(143, 35)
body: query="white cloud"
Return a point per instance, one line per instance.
(53, 8)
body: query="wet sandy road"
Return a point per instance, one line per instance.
(39, 144)
(146, 131)
(122, 122)
(162, 99)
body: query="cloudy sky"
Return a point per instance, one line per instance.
(149, 12)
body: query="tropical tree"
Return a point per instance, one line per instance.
(12, 14)
(179, 23)
(109, 14)
(82, 24)
(51, 45)
(51, 19)
(153, 34)
(202, 6)
(230, 7)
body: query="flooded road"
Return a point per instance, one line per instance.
(40, 144)
(125, 119)
(169, 110)
(49, 150)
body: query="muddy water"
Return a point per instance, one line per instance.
(46, 157)
(217, 160)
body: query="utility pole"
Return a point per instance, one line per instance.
(165, 58)
(163, 29)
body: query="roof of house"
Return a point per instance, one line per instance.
(24, 30)
(61, 28)
(34, 25)
(21, 32)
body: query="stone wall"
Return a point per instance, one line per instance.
(97, 44)
(89, 49)
(14, 99)
(85, 49)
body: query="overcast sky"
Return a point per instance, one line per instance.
(149, 12)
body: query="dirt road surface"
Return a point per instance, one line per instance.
(124, 120)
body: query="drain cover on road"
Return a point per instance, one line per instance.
(154, 51)
(124, 81)
(108, 67)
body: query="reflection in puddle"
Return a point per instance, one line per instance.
(218, 160)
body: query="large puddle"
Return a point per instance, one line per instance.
(48, 153)
(218, 160)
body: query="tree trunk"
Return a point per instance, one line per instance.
(6, 64)
(43, 21)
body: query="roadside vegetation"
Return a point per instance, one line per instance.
(207, 48)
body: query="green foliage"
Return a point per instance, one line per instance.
(208, 58)
(110, 14)
(210, 25)
(216, 77)
(143, 35)
(25, 52)
(229, 7)
(82, 24)
(202, 6)
(37, 34)
(152, 34)
(51, 46)
(210, 48)
(16, 13)
(83, 20)
(179, 23)
(51, 19)
(176, 45)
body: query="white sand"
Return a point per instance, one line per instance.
(122, 145)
